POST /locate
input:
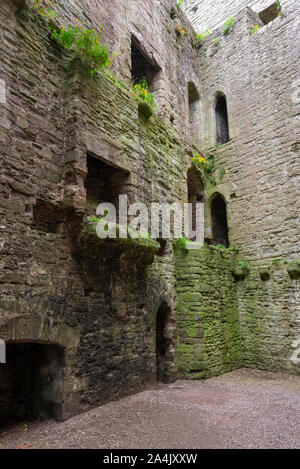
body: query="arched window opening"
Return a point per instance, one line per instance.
(31, 381)
(222, 121)
(219, 221)
(195, 196)
(193, 111)
(165, 350)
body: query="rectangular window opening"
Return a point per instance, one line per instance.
(269, 14)
(104, 183)
(143, 67)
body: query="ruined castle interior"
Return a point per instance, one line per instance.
(86, 322)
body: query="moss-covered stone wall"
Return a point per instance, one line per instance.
(209, 339)
(268, 301)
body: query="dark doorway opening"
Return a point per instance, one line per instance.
(142, 66)
(219, 221)
(31, 382)
(222, 121)
(164, 344)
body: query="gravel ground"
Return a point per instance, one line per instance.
(242, 409)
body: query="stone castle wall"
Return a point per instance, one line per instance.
(100, 302)
(53, 117)
(209, 338)
(210, 14)
(259, 75)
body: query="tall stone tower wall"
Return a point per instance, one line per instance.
(210, 14)
(116, 315)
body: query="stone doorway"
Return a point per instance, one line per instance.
(31, 381)
(165, 350)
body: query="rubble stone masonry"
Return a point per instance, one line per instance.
(98, 301)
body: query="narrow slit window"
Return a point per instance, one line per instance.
(222, 121)
(194, 101)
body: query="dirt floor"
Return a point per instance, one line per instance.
(242, 409)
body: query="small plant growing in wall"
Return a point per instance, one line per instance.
(253, 28)
(241, 270)
(200, 37)
(85, 44)
(180, 243)
(146, 99)
(228, 25)
(181, 31)
(278, 5)
(44, 11)
(179, 3)
(206, 166)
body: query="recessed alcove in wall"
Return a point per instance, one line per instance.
(222, 127)
(47, 217)
(194, 111)
(269, 14)
(142, 66)
(103, 183)
(31, 381)
(219, 221)
(195, 195)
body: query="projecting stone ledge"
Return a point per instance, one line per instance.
(293, 269)
(142, 249)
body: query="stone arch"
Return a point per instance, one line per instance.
(39, 350)
(194, 111)
(40, 329)
(218, 209)
(221, 117)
